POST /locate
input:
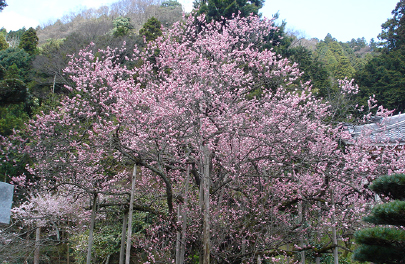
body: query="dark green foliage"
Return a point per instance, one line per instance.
(16, 56)
(328, 38)
(12, 91)
(393, 30)
(392, 213)
(383, 236)
(151, 29)
(381, 254)
(278, 40)
(12, 116)
(19, 58)
(380, 245)
(384, 76)
(15, 73)
(13, 101)
(219, 9)
(373, 44)
(29, 41)
(313, 70)
(3, 72)
(384, 244)
(358, 44)
(392, 186)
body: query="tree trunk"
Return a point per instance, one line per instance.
(318, 258)
(301, 221)
(53, 85)
(107, 260)
(91, 231)
(183, 238)
(66, 237)
(334, 235)
(123, 233)
(37, 244)
(181, 213)
(184, 219)
(131, 210)
(178, 236)
(206, 206)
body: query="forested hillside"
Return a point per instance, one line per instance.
(134, 133)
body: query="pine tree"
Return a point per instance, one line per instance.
(29, 41)
(151, 29)
(122, 26)
(383, 76)
(393, 32)
(382, 244)
(218, 10)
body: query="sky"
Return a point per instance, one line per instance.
(343, 19)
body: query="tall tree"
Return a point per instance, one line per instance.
(386, 242)
(219, 10)
(29, 41)
(264, 165)
(151, 29)
(393, 30)
(14, 95)
(383, 76)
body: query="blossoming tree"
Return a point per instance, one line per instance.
(224, 132)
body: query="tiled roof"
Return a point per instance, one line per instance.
(383, 131)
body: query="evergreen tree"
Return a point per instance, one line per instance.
(384, 76)
(343, 68)
(312, 69)
(338, 61)
(383, 244)
(29, 41)
(13, 100)
(18, 57)
(122, 26)
(278, 39)
(151, 29)
(393, 30)
(224, 9)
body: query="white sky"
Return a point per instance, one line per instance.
(344, 19)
